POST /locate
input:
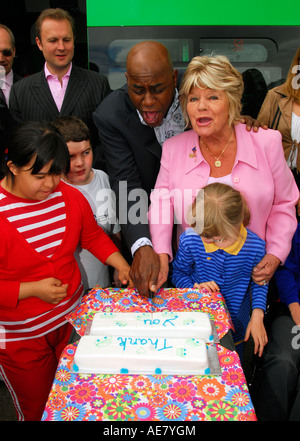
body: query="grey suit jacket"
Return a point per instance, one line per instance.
(6, 120)
(16, 78)
(31, 98)
(132, 155)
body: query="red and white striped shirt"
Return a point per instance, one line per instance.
(66, 218)
(41, 223)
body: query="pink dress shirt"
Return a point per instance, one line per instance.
(260, 173)
(57, 89)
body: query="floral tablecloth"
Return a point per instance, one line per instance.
(89, 397)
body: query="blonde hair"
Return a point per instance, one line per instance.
(217, 73)
(290, 87)
(53, 14)
(223, 211)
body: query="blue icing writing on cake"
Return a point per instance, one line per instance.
(137, 355)
(160, 324)
(158, 343)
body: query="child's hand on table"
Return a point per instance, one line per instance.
(209, 286)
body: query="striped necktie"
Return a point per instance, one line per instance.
(2, 97)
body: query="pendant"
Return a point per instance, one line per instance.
(218, 163)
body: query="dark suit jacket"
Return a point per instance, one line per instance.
(6, 120)
(5, 114)
(31, 98)
(132, 154)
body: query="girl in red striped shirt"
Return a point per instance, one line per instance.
(42, 220)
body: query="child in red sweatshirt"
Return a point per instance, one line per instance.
(42, 220)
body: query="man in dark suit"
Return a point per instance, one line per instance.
(133, 123)
(7, 78)
(7, 54)
(61, 88)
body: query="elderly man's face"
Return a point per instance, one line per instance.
(7, 52)
(151, 90)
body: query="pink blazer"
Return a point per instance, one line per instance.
(260, 173)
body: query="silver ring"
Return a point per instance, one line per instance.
(265, 282)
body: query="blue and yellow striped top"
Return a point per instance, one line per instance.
(230, 268)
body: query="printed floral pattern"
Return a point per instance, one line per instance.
(182, 391)
(241, 399)
(120, 300)
(88, 397)
(211, 389)
(144, 412)
(221, 411)
(172, 411)
(83, 392)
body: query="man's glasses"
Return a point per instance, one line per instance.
(7, 52)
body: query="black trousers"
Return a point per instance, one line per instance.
(296, 176)
(278, 394)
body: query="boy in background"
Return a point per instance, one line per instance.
(94, 185)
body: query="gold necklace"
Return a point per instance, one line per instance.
(218, 163)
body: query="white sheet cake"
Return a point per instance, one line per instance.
(159, 324)
(112, 354)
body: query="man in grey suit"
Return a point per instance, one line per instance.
(61, 88)
(133, 123)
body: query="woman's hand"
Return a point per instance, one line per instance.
(257, 329)
(264, 270)
(295, 312)
(50, 290)
(209, 286)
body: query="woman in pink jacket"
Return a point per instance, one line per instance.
(220, 149)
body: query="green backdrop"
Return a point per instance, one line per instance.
(192, 12)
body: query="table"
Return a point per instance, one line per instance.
(123, 397)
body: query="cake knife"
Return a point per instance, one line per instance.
(151, 296)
